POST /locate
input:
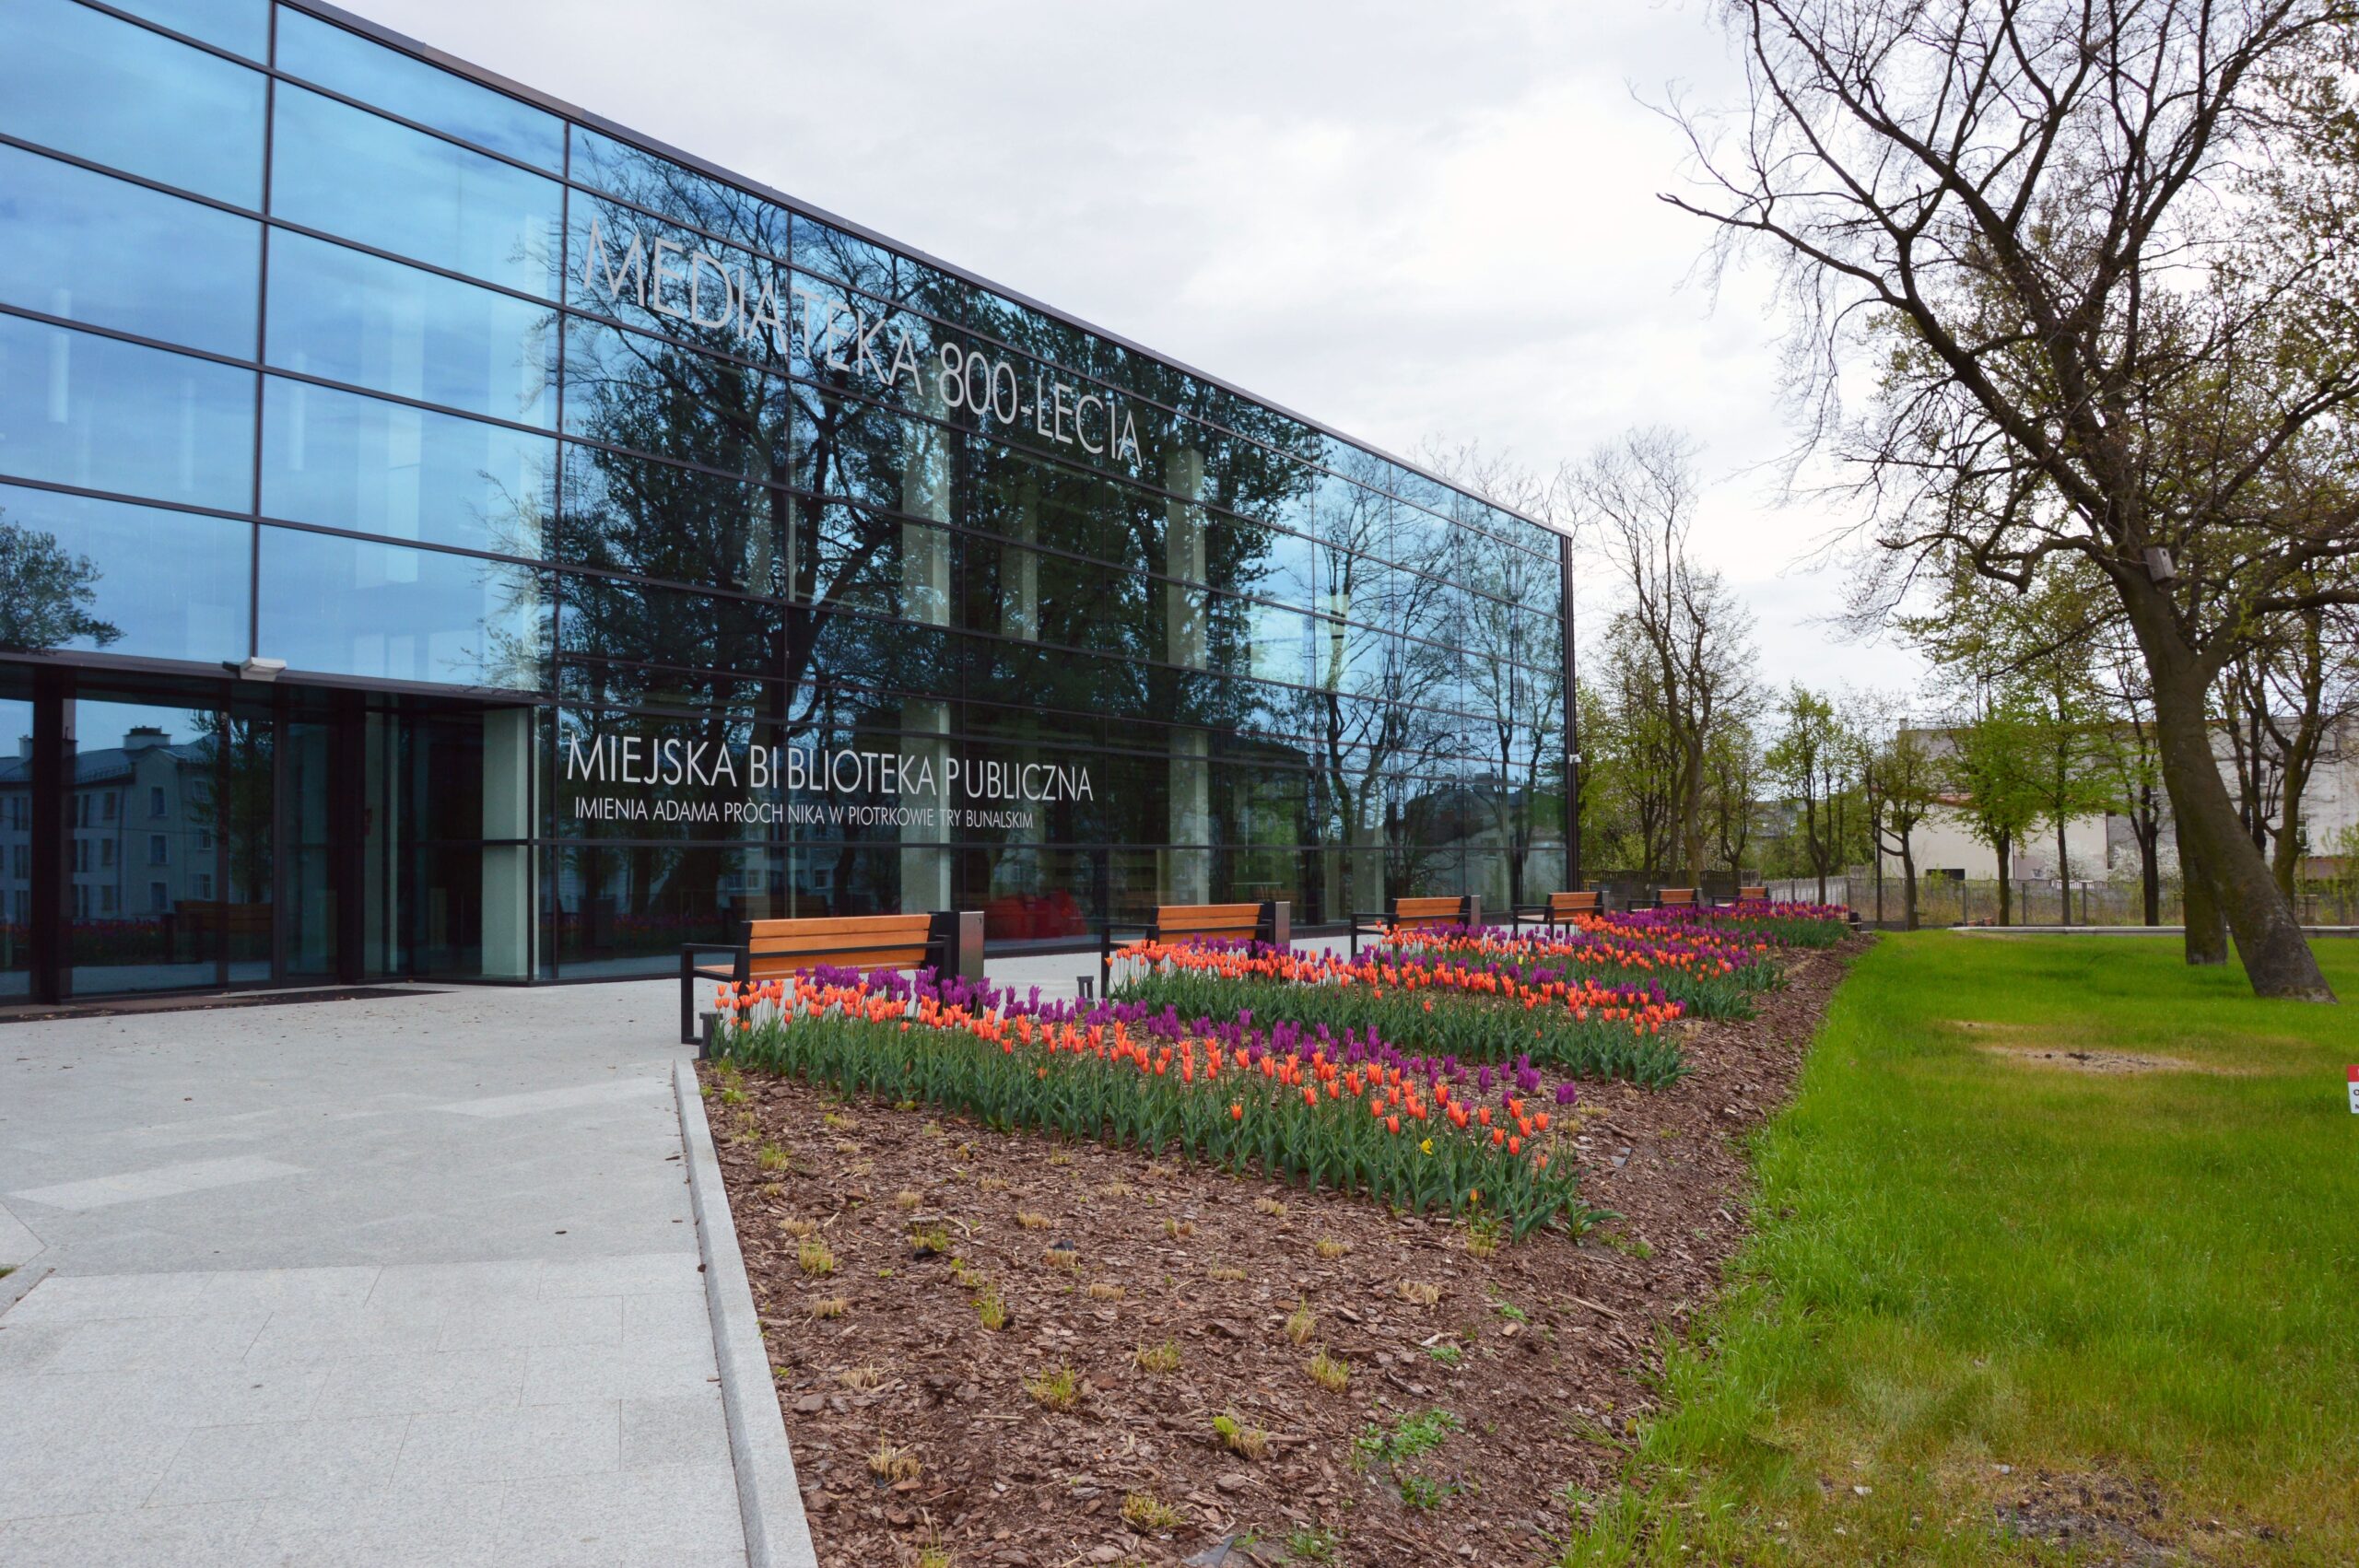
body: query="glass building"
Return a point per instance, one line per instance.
(442, 534)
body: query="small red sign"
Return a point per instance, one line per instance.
(2354, 1089)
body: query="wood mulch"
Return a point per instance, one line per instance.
(1538, 1353)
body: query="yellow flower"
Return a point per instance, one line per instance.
(1426, 1147)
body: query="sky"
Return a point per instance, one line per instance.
(1412, 222)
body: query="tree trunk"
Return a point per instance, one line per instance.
(2300, 757)
(2207, 929)
(2150, 868)
(2063, 872)
(2006, 887)
(1691, 830)
(2226, 874)
(1875, 840)
(1908, 890)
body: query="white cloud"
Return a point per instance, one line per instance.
(1406, 220)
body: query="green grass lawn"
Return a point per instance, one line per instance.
(2146, 1281)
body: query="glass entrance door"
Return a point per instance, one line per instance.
(15, 835)
(189, 835)
(150, 900)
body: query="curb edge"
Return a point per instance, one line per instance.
(769, 1499)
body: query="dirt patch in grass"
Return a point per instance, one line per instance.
(2063, 1058)
(1183, 1358)
(2094, 1517)
(2101, 1062)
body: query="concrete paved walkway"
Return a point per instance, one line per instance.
(411, 1281)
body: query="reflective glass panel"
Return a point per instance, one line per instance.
(352, 173)
(630, 389)
(661, 277)
(76, 409)
(15, 835)
(243, 27)
(346, 460)
(659, 185)
(143, 848)
(347, 62)
(348, 607)
(105, 89)
(108, 577)
(714, 637)
(350, 317)
(115, 254)
(657, 519)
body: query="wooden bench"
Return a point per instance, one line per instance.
(1675, 898)
(1271, 922)
(1559, 909)
(1753, 895)
(1412, 914)
(950, 942)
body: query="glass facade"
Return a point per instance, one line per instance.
(739, 563)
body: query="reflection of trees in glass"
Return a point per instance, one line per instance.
(45, 593)
(1370, 712)
(1519, 705)
(1075, 583)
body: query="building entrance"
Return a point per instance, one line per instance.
(188, 835)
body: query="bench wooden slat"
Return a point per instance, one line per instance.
(867, 955)
(1196, 919)
(1675, 897)
(1753, 895)
(1421, 909)
(1572, 903)
(838, 926)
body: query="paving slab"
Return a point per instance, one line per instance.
(405, 1279)
(394, 1280)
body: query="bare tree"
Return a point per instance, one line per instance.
(1812, 756)
(1904, 785)
(2094, 251)
(1732, 772)
(1635, 500)
(2285, 699)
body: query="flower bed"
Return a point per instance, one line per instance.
(1706, 973)
(1347, 1112)
(1491, 1009)
(1013, 1351)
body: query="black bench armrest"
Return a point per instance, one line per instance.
(690, 973)
(1106, 930)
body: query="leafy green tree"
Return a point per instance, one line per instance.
(1813, 757)
(1904, 785)
(2069, 744)
(1994, 764)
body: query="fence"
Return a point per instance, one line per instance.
(1944, 901)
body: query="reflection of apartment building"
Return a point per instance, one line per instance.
(139, 829)
(2102, 846)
